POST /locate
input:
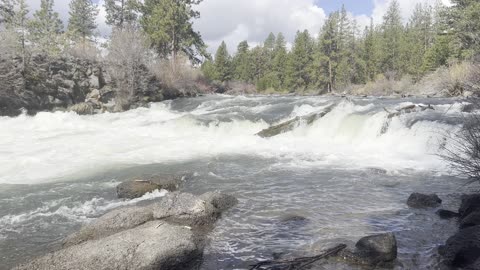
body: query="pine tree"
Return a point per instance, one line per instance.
(223, 70)
(16, 20)
(327, 56)
(464, 21)
(45, 28)
(169, 25)
(242, 64)
(300, 59)
(121, 12)
(280, 61)
(372, 51)
(82, 19)
(392, 40)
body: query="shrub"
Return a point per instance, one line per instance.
(464, 153)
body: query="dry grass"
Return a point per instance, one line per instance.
(178, 74)
(84, 50)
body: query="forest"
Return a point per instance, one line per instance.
(342, 54)
(437, 39)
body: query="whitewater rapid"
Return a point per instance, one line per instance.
(62, 145)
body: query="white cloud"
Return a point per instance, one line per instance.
(407, 7)
(252, 20)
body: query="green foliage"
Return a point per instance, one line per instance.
(121, 12)
(82, 19)
(223, 64)
(242, 64)
(169, 25)
(465, 26)
(45, 28)
(299, 61)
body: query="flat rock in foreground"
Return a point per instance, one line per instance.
(168, 234)
(154, 245)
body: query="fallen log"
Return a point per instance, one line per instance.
(297, 263)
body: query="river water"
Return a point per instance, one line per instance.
(347, 175)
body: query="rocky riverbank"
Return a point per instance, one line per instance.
(80, 85)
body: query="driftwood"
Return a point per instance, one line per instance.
(297, 263)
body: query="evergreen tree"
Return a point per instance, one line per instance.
(299, 62)
(464, 21)
(223, 70)
(392, 40)
(82, 19)
(242, 64)
(121, 12)
(169, 25)
(7, 11)
(16, 19)
(208, 70)
(327, 56)
(279, 61)
(45, 28)
(372, 51)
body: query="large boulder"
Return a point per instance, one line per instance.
(167, 234)
(417, 200)
(470, 203)
(115, 221)
(372, 250)
(154, 245)
(473, 219)
(462, 249)
(137, 188)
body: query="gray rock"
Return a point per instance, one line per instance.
(446, 214)
(219, 200)
(372, 250)
(469, 204)
(292, 124)
(137, 188)
(186, 209)
(155, 245)
(462, 249)
(82, 109)
(473, 219)
(417, 200)
(111, 223)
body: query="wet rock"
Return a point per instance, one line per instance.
(137, 188)
(292, 124)
(473, 219)
(417, 200)
(155, 245)
(155, 236)
(186, 209)
(446, 214)
(372, 250)
(82, 109)
(469, 204)
(219, 200)
(111, 223)
(462, 249)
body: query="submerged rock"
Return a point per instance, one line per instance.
(155, 236)
(137, 188)
(417, 200)
(372, 250)
(446, 214)
(462, 249)
(292, 124)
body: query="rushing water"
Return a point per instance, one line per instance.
(342, 174)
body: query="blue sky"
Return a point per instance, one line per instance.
(355, 6)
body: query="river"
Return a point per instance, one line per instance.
(347, 175)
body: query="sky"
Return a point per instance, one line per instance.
(236, 20)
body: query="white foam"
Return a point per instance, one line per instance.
(80, 212)
(54, 146)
